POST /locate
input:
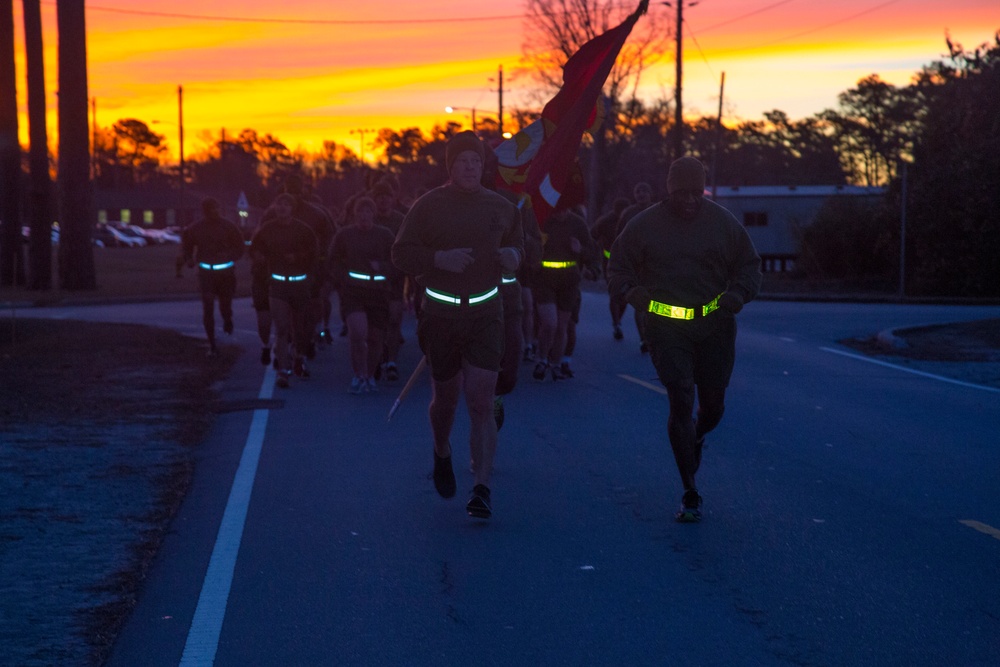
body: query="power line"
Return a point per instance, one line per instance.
(248, 19)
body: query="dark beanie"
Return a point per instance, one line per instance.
(686, 173)
(463, 141)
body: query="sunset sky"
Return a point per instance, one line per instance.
(307, 71)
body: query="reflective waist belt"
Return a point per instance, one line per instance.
(558, 265)
(507, 280)
(456, 300)
(288, 279)
(682, 313)
(216, 267)
(365, 276)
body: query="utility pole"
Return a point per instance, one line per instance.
(364, 131)
(678, 87)
(679, 76)
(180, 130)
(718, 136)
(902, 235)
(93, 137)
(500, 100)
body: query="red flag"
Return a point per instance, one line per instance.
(541, 158)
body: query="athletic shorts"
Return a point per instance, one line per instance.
(373, 303)
(447, 343)
(702, 350)
(558, 286)
(260, 286)
(220, 283)
(297, 294)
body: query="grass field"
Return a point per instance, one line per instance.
(127, 274)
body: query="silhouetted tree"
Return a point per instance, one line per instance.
(76, 254)
(11, 252)
(40, 256)
(137, 148)
(954, 185)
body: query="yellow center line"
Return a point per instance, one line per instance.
(981, 527)
(643, 383)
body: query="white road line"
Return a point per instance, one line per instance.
(206, 626)
(643, 383)
(981, 527)
(911, 370)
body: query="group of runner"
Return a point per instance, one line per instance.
(491, 291)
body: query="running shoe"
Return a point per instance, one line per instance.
(618, 333)
(326, 337)
(690, 511)
(357, 386)
(478, 506)
(540, 371)
(281, 381)
(265, 355)
(529, 353)
(299, 368)
(371, 387)
(391, 372)
(444, 476)
(566, 371)
(498, 411)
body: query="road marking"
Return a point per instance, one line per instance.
(203, 637)
(981, 527)
(970, 385)
(643, 383)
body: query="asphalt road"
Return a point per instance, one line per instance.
(851, 515)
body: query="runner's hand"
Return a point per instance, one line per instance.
(509, 258)
(638, 298)
(730, 302)
(455, 260)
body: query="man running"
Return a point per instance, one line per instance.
(289, 249)
(215, 244)
(690, 266)
(457, 241)
(362, 263)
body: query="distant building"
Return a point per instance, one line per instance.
(775, 216)
(160, 208)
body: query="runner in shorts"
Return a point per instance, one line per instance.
(457, 241)
(690, 266)
(362, 264)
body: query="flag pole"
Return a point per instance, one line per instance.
(407, 387)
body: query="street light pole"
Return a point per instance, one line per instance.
(362, 132)
(180, 129)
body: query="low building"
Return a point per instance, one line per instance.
(775, 216)
(160, 208)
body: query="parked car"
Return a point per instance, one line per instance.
(155, 235)
(122, 238)
(102, 238)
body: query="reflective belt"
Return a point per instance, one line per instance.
(682, 313)
(607, 254)
(558, 265)
(507, 280)
(216, 267)
(456, 300)
(364, 276)
(289, 279)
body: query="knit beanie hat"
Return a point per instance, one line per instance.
(463, 141)
(686, 173)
